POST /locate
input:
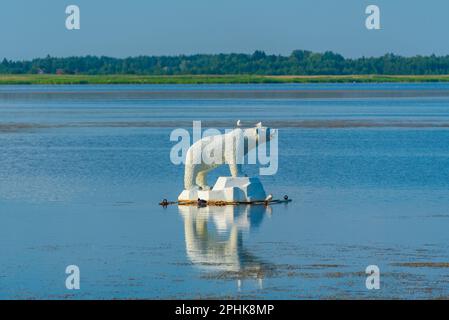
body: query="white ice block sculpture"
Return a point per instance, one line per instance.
(228, 189)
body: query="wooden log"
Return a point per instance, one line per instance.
(226, 203)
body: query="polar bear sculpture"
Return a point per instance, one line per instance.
(228, 148)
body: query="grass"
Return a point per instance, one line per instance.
(210, 79)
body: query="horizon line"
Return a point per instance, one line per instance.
(226, 54)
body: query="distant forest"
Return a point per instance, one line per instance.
(299, 62)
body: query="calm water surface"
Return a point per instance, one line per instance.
(82, 169)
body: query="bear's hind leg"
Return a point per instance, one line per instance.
(201, 180)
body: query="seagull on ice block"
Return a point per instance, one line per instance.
(239, 123)
(269, 198)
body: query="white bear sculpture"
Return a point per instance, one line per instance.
(214, 151)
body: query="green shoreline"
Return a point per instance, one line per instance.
(32, 79)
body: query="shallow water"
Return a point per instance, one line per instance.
(82, 169)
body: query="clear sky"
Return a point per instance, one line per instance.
(35, 28)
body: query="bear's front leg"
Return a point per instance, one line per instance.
(235, 169)
(201, 180)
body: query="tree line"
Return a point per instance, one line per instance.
(299, 62)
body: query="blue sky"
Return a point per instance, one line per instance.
(35, 28)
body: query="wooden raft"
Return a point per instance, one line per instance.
(222, 203)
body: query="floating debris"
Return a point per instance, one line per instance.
(165, 202)
(203, 203)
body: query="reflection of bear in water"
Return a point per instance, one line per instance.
(221, 149)
(213, 237)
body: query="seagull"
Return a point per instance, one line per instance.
(239, 123)
(259, 125)
(267, 200)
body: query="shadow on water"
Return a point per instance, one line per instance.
(214, 238)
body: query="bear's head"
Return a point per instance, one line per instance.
(258, 135)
